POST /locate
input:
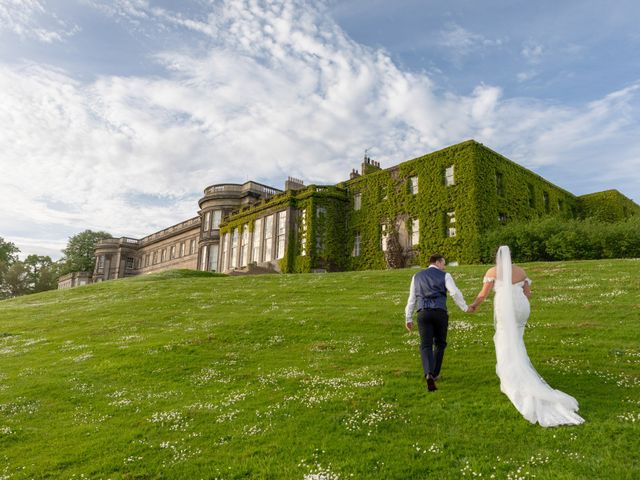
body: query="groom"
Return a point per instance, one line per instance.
(428, 292)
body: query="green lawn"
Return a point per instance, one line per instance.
(185, 375)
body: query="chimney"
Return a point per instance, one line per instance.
(354, 174)
(293, 184)
(369, 166)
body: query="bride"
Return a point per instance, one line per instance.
(519, 381)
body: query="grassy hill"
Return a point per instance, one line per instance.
(187, 375)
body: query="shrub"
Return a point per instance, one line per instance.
(563, 239)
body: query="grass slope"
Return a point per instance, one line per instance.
(187, 375)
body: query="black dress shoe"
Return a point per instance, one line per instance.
(431, 383)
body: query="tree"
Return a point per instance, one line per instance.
(8, 252)
(41, 273)
(8, 256)
(79, 254)
(15, 280)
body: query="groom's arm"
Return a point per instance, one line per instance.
(455, 293)
(411, 306)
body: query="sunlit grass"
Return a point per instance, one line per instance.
(186, 375)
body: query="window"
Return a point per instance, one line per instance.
(268, 237)
(413, 185)
(560, 205)
(129, 265)
(545, 200)
(173, 252)
(321, 229)
(384, 237)
(213, 258)
(182, 249)
(225, 247)
(234, 248)
(257, 236)
(100, 266)
(154, 260)
(532, 196)
(216, 219)
(357, 201)
(502, 217)
(356, 245)
(244, 246)
(207, 221)
(415, 232)
(192, 247)
(203, 258)
(147, 257)
(450, 221)
(282, 230)
(303, 232)
(163, 255)
(499, 184)
(448, 176)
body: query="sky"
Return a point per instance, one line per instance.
(116, 114)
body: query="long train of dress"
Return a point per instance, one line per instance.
(519, 380)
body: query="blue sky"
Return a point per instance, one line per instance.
(115, 115)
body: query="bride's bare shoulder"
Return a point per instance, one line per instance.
(518, 274)
(491, 273)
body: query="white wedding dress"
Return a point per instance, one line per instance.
(529, 393)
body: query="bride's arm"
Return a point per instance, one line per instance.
(526, 288)
(482, 294)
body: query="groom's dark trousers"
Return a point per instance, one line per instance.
(433, 324)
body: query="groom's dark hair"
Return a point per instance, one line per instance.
(435, 258)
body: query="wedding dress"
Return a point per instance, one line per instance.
(519, 380)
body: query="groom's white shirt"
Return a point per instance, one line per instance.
(453, 290)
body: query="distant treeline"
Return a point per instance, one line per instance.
(561, 239)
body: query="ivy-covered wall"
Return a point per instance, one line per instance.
(324, 230)
(607, 206)
(386, 198)
(488, 189)
(507, 192)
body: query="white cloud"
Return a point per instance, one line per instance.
(279, 90)
(532, 51)
(29, 19)
(463, 42)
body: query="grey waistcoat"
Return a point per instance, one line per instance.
(430, 289)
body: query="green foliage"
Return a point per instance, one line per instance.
(8, 252)
(505, 189)
(282, 376)
(562, 239)
(608, 206)
(8, 256)
(79, 256)
(35, 274)
(42, 273)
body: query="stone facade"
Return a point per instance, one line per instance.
(74, 279)
(192, 244)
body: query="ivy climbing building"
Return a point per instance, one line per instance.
(440, 202)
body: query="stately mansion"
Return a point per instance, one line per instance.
(378, 218)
